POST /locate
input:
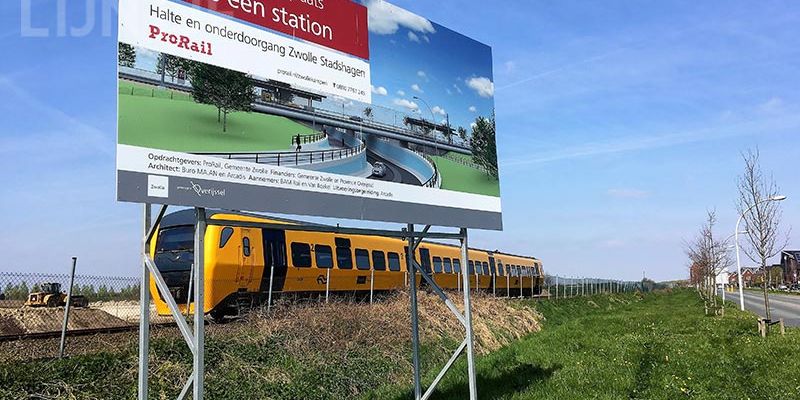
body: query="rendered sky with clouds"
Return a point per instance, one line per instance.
(618, 127)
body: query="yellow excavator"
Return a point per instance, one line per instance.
(50, 295)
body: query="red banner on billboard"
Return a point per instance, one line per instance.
(336, 24)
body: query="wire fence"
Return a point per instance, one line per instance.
(559, 287)
(34, 304)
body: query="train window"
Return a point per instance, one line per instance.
(448, 266)
(301, 255)
(324, 256)
(378, 260)
(344, 258)
(457, 266)
(437, 265)
(174, 239)
(425, 260)
(246, 246)
(394, 262)
(471, 269)
(225, 236)
(500, 270)
(485, 268)
(362, 259)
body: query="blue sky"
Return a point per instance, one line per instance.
(618, 127)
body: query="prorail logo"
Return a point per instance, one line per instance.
(181, 41)
(203, 192)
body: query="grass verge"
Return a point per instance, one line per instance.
(153, 118)
(461, 178)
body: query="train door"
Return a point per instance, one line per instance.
(275, 262)
(245, 273)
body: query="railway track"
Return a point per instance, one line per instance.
(78, 332)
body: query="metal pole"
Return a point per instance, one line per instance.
(556, 287)
(271, 277)
(412, 281)
(739, 263)
(473, 386)
(144, 310)
(371, 284)
(66, 309)
(327, 284)
(199, 304)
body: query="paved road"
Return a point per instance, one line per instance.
(784, 306)
(393, 172)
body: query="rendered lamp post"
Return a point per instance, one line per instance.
(433, 121)
(736, 235)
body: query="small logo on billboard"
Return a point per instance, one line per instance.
(158, 186)
(203, 192)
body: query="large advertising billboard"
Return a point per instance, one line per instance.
(335, 108)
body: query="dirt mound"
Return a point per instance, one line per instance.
(25, 321)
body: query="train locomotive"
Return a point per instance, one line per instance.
(245, 264)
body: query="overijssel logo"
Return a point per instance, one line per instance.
(201, 191)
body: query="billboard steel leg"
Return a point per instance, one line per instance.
(412, 279)
(199, 304)
(144, 311)
(473, 390)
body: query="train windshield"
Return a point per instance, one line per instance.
(176, 239)
(175, 249)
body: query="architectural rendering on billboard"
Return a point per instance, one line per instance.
(337, 108)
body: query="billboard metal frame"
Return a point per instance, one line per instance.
(195, 335)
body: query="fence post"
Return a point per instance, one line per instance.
(66, 309)
(327, 284)
(556, 287)
(271, 276)
(371, 284)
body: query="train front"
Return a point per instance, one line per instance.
(173, 253)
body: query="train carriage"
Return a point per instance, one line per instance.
(245, 264)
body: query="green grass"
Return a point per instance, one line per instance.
(660, 347)
(163, 123)
(461, 178)
(138, 89)
(657, 346)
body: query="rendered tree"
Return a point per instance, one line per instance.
(462, 133)
(368, 113)
(484, 145)
(169, 65)
(229, 91)
(127, 55)
(761, 217)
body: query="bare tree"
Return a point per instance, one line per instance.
(709, 256)
(761, 216)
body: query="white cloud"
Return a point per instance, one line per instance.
(458, 89)
(380, 90)
(401, 93)
(510, 66)
(416, 88)
(413, 37)
(482, 85)
(439, 110)
(343, 102)
(410, 105)
(473, 109)
(386, 19)
(426, 38)
(422, 75)
(772, 105)
(628, 193)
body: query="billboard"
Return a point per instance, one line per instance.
(335, 108)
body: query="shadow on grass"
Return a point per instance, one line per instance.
(498, 386)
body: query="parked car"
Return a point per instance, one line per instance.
(783, 287)
(379, 169)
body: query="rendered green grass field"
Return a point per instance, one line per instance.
(180, 125)
(461, 178)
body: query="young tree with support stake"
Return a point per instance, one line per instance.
(761, 215)
(709, 257)
(484, 146)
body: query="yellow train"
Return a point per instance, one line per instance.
(241, 261)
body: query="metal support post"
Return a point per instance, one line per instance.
(67, 309)
(144, 309)
(412, 280)
(371, 284)
(199, 305)
(473, 386)
(271, 277)
(556, 287)
(327, 284)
